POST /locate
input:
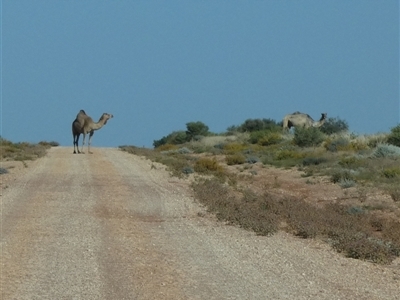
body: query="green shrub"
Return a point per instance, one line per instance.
(252, 159)
(194, 129)
(206, 165)
(49, 144)
(385, 150)
(255, 136)
(167, 147)
(175, 138)
(338, 144)
(307, 137)
(394, 136)
(391, 172)
(375, 140)
(340, 176)
(235, 159)
(252, 125)
(288, 154)
(347, 183)
(350, 162)
(395, 193)
(362, 246)
(187, 170)
(270, 138)
(334, 125)
(233, 148)
(313, 161)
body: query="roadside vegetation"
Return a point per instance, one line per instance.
(217, 163)
(23, 151)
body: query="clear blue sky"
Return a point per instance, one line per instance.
(157, 65)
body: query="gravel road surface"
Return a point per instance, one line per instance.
(112, 226)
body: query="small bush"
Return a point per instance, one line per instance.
(307, 137)
(233, 148)
(391, 172)
(350, 162)
(49, 144)
(338, 144)
(375, 140)
(3, 171)
(166, 147)
(341, 176)
(252, 159)
(235, 159)
(288, 154)
(252, 125)
(385, 150)
(361, 246)
(313, 161)
(347, 183)
(334, 125)
(357, 145)
(183, 150)
(394, 136)
(195, 130)
(187, 170)
(395, 194)
(265, 138)
(206, 165)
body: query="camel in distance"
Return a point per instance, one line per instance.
(298, 119)
(83, 124)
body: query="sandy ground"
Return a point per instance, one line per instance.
(111, 226)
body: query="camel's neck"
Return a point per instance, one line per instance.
(319, 123)
(99, 124)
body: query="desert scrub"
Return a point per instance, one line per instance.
(394, 136)
(166, 147)
(246, 211)
(307, 137)
(187, 170)
(337, 144)
(350, 162)
(313, 161)
(252, 159)
(265, 138)
(49, 144)
(358, 145)
(385, 150)
(233, 148)
(341, 176)
(349, 230)
(207, 165)
(235, 159)
(391, 172)
(288, 154)
(346, 183)
(394, 193)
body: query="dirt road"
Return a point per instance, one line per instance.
(111, 226)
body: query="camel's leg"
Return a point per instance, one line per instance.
(90, 142)
(83, 143)
(73, 142)
(76, 143)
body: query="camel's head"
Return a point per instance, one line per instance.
(106, 117)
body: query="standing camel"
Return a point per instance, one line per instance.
(83, 124)
(77, 126)
(298, 119)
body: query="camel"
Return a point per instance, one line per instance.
(83, 124)
(298, 119)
